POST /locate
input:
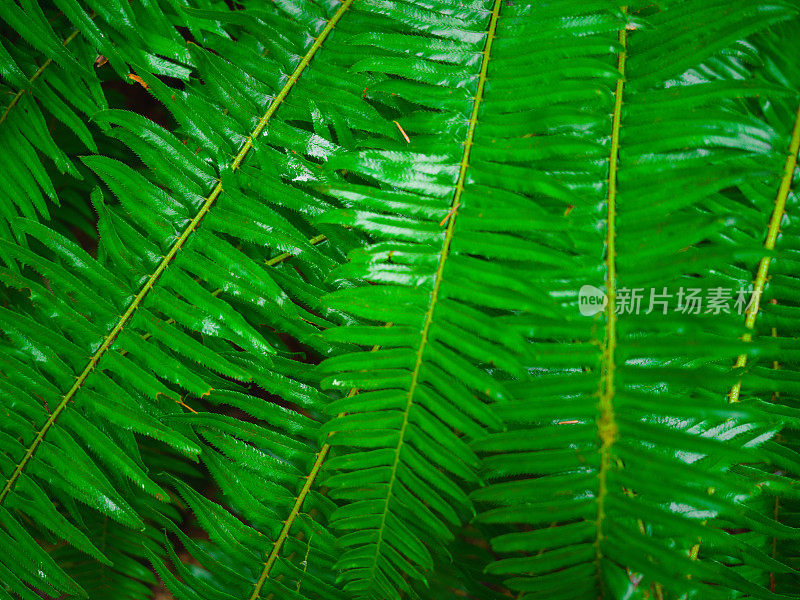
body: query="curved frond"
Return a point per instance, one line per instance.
(56, 62)
(399, 465)
(185, 297)
(590, 428)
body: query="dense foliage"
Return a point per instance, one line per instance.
(293, 299)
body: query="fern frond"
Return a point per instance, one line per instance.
(399, 466)
(54, 64)
(178, 253)
(766, 318)
(578, 473)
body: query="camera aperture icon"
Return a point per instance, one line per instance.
(591, 300)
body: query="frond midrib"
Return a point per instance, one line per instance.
(168, 258)
(762, 273)
(453, 214)
(773, 228)
(606, 426)
(323, 453)
(35, 76)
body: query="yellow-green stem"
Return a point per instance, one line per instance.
(769, 244)
(448, 238)
(763, 266)
(287, 524)
(606, 425)
(35, 76)
(323, 453)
